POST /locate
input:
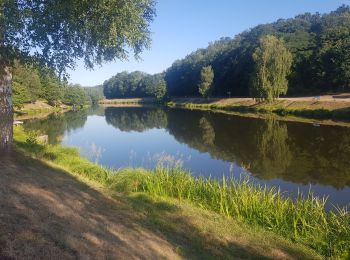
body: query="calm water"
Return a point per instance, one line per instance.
(293, 156)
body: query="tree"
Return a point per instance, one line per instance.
(51, 89)
(154, 86)
(273, 64)
(74, 95)
(29, 78)
(160, 90)
(21, 95)
(58, 32)
(335, 56)
(206, 80)
(94, 94)
(135, 84)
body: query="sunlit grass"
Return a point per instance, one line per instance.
(303, 220)
(276, 108)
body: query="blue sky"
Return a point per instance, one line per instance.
(182, 26)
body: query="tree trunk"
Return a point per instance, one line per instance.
(6, 112)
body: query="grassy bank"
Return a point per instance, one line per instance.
(39, 109)
(128, 101)
(303, 221)
(299, 108)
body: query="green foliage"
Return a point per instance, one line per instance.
(335, 55)
(21, 95)
(59, 32)
(31, 84)
(123, 85)
(160, 90)
(52, 90)
(94, 94)
(32, 138)
(319, 45)
(27, 79)
(272, 66)
(135, 84)
(154, 86)
(206, 80)
(304, 220)
(74, 95)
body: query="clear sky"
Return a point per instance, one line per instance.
(182, 26)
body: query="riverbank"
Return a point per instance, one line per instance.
(256, 209)
(127, 101)
(38, 109)
(322, 107)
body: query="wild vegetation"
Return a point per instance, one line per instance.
(303, 220)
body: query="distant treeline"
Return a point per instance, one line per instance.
(135, 84)
(319, 44)
(31, 84)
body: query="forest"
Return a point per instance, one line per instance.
(319, 45)
(31, 84)
(135, 84)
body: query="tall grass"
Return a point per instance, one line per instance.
(303, 220)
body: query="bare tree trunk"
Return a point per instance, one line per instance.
(6, 112)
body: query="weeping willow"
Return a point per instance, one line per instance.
(273, 64)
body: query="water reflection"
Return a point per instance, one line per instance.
(58, 124)
(273, 151)
(270, 150)
(136, 118)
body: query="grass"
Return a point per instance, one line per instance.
(304, 220)
(281, 108)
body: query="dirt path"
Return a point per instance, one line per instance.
(46, 214)
(343, 97)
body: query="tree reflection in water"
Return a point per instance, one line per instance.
(269, 149)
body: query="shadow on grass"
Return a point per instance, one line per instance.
(46, 213)
(178, 230)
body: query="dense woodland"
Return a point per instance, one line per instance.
(319, 44)
(31, 84)
(135, 84)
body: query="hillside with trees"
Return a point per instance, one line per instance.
(316, 60)
(319, 44)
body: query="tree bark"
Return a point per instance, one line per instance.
(6, 112)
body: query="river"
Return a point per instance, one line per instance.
(290, 155)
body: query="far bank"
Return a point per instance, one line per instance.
(336, 107)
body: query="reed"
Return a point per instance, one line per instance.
(303, 219)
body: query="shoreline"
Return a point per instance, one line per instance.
(319, 112)
(161, 183)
